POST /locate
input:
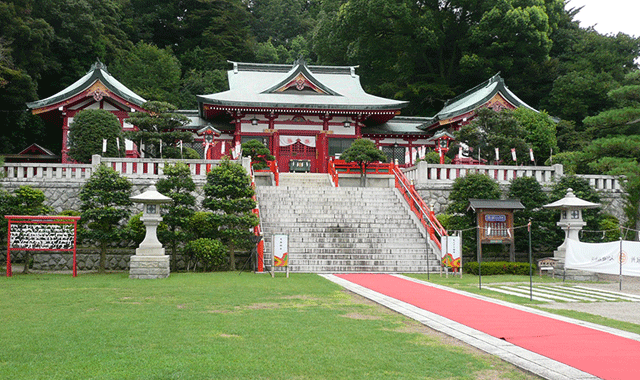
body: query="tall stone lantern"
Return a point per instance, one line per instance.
(150, 261)
(570, 219)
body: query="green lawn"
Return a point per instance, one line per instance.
(217, 325)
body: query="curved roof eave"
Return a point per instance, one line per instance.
(97, 73)
(325, 106)
(498, 87)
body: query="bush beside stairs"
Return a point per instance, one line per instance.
(343, 229)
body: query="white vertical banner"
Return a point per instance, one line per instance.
(531, 154)
(497, 154)
(280, 252)
(118, 143)
(452, 251)
(222, 148)
(513, 154)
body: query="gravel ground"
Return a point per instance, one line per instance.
(621, 311)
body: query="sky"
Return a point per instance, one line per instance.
(609, 16)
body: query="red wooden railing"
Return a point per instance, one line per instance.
(273, 168)
(257, 230)
(426, 216)
(332, 171)
(343, 167)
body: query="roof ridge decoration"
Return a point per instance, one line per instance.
(493, 79)
(300, 78)
(97, 80)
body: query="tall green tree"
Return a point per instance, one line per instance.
(228, 193)
(258, 152)
(83, 31)
(160, 125)
(179, 186)
(88, 129)
(105, 205)
(545, 236)
(471, 186)
(25, 200)
(149, 71)
(363, 152)
(490, 130)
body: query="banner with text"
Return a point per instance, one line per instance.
(452, 247)
(604, 257)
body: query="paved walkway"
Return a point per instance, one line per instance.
(536, 363)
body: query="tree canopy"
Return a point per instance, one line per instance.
(424, 52)
(87, 131)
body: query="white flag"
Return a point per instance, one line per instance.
(459, 152)
(104, 145)
(531, 154)
(497, 154)
(513, 154)
(118, 143)
(222, 148)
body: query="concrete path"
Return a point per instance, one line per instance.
(527, 360)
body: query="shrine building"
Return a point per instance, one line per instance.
(97, 89)
(300, 111)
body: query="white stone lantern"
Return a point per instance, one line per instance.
(150, 260)
(570, 219)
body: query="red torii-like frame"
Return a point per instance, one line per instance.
(46, 220)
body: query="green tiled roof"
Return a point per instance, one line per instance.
(98, 72)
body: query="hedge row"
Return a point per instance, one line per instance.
(498, 267)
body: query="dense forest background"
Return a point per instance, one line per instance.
(424, 51)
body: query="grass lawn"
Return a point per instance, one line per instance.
(217, 325)
(469, 283)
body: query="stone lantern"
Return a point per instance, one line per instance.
(150, 260)
(570, 219)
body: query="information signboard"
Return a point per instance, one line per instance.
(41, 233)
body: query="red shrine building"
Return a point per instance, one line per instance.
(306, 113)
(97, 89)
(300, 112)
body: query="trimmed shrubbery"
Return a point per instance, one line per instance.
(498, 267)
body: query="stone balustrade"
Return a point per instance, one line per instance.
(133, 168)
(424, 174)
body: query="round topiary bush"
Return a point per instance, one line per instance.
(209, 253)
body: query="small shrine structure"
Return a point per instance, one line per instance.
(97, 89)
(495, 222)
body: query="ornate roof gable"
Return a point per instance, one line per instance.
(96, 83)
(300, 80)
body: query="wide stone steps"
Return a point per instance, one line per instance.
(342, 229)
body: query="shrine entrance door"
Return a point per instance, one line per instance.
(297, 151)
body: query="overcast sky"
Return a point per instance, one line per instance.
(609, 16)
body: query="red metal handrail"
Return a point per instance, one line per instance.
(332, 172)
(343, 167)
(426, 216)
(257, 230)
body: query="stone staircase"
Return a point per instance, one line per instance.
(344, 229)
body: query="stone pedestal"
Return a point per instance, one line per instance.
(149, 267)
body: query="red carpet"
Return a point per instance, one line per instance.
(601, 354)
